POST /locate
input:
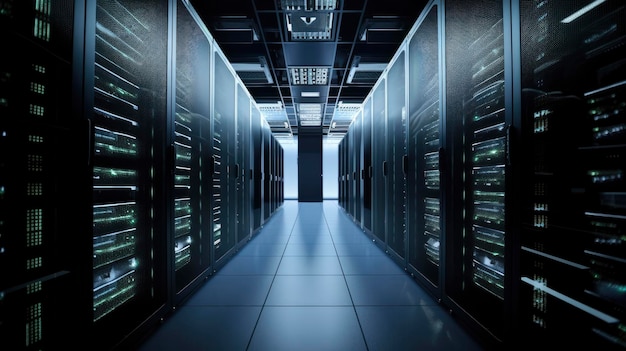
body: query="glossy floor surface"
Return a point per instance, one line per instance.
(310, 280)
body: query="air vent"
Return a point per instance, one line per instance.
(254, 72)
(364, 72)
(310, 115)
(308, 5)
(310, 25)
(309, 75)
(276, 117)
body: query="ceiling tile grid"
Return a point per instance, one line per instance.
(309, 62)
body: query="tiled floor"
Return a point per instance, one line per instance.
(310, 280)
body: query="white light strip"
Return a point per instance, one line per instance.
(568, 300)
(582, 11)
(310, 94)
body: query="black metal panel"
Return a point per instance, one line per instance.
(256, 146)
(574, 213)
(242, 163)
(129, 107)
(380, 166)
(424, 192)
(367, 164)
(43, 178)
(224, 166)
(475, 113)
(396, 150)
(310, 165)
(192, 139)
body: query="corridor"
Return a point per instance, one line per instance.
(310, 279)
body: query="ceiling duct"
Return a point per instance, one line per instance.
(309, 75)
(310, 115)
(308, 5)
(309, 19)
(362, 72)
(276, 117)
(254, 73)
(343, 115)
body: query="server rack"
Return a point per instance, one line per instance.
(273, 173)
(425, 195)
(126, 89)
(356, 169)
(380, 168)
(223, 131)
(574, 214)
(257, 146)
(348, 180)
(254, 194)
(112, 134)
(343, 199)
(241, 165)
(367, 169)
(478, 88)
(396, 156)
(190, 152)
(43, 175)
(266, 171)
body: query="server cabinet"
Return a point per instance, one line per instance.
(242, 163)
(191, 141)
(358, 196)
(396, 152)
(126, 87)
(379, 161)
(425, 147)
(574, 214)
(266, 171)
(476, 229)
(223, 144)
(43, 178)
(257, 167)
(281, 174)
(367, 170)
(343, 180)
(349, 150)
(274, 173)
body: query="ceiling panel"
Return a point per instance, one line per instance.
(347, 42)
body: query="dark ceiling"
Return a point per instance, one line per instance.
(309, 62)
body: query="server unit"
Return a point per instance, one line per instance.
(479, 116)
(367, 170)
(191, 140)
(574, 201)
(379, 160)
(394, 164)
(515, 163)
(128, 177)
(425, 140)
(126, 106)
(43, 177)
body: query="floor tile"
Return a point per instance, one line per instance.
(369, 265)
(412, 328)
(205, 328)
(386, 290)
(306, 265)
(358, 249)
(254, 248)
(323, 238)
(307, 329)
(246, 265)
(242, 290)
(309, 290)
(294, 249)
